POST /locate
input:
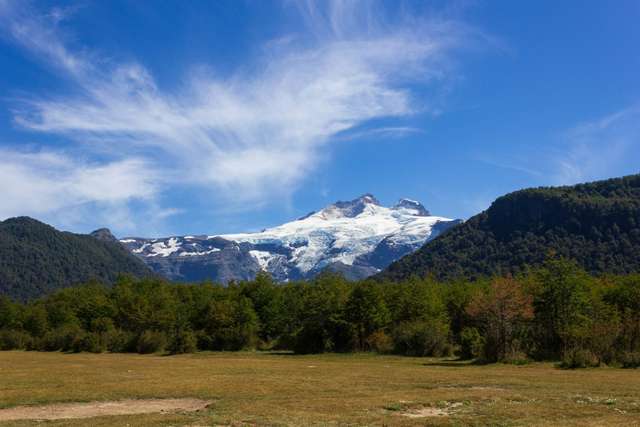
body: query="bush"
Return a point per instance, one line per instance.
(119, 341)
(630, 359)
(516, 358)
(102, 324)
(14, 340)
(183, 341)
(380, 342)
(579, 358)
(471, 344)
(93, 342)
(151, 342)
(204, 341)
(447, 349)
(311, 339)
(422, 338)
(65, 338)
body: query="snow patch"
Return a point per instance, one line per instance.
(263, 258)
(165, 248)
(212, 250)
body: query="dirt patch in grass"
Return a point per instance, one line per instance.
(97, 409)
(406, 409)
(425, 412)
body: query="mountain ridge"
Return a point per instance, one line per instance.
(596, 224)
(36, 259)
(358, 237)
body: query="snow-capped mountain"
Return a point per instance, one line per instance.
(358, 238)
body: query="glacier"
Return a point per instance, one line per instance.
(357, 238)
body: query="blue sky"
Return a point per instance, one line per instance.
(159, 118)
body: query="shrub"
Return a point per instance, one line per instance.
(14, 340)
(447, 350)
(204, 341)
(311, 339)
(380, 342)
(119, 341)
(151, 342)
(266, 345)
(421, 338)
(183, 341)
(102, 324)
(65, 338)
(579, 358)
(471, 344)
(630, 359)
(516, 358)
(93, 342)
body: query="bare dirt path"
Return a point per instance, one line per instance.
(97, 409)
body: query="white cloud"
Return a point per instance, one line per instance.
(252, 136)
(36, 183)
(600, 149)
(590, 151)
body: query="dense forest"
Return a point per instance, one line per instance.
(554, 312)
(36, 259)
(597, 224)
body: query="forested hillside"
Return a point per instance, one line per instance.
(596, 224)
(36, 259)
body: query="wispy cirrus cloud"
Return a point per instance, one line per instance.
(600, 149)
(251, 136)
(40, 182)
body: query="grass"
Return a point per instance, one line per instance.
(361, 389)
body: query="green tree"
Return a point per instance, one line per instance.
(319, 323)
(36, 320)
(366, 311)
(10, 314)
(230, 325)
(145, 305)
(266, 297)
(561, 303)
(624, 295)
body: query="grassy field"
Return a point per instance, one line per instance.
(363, 389)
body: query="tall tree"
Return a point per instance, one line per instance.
(503, 308)
(366, 311)
(561, 304)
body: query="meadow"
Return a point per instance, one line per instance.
(262, 388)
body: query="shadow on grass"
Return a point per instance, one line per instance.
(457, 363)
(282, 353)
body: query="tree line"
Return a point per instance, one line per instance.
(553, 312)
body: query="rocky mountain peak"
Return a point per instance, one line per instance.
(104, 234)
(355, 207)
(412, 205)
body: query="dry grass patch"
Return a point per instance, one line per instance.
(99, 409)
(329, 390)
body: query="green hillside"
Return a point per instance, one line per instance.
(36, 259)
(597, 224)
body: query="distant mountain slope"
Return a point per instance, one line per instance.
(36, 259)
(597, 224)
(358, 238)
